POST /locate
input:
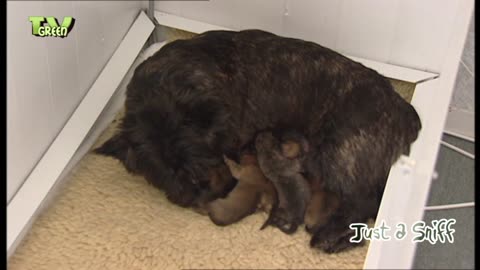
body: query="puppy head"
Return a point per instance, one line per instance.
(294, 145)
(267, 142)
(320, 207)
(271, 155)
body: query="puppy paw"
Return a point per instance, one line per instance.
(235, 168)
(333, 241)
(282, 220)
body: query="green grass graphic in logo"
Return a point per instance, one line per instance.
(51, 28)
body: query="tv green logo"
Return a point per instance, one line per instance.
(51, 28)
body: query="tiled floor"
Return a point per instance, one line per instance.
(455, 184)
(463, 97)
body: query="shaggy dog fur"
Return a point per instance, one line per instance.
(198, 99)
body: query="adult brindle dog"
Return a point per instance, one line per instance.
(198, 99)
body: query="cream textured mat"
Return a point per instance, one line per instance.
(104, 218)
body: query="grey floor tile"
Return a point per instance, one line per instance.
(464, 91)
(456, 179)
(457, 255)
(468, 55)
(455, 184)
(461, 143)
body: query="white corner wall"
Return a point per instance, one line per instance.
(48, 77)
(408, 33)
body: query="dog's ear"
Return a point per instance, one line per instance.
(116, 147)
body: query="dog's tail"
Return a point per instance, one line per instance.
(116, 147)
(415, 124)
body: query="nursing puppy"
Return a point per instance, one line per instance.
(281, 162)
(198, 99)
(320, 208)
(253, 191)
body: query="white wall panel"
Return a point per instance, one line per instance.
(365, 28)
(173, 7)
(48, 77)
(88, 32)
(265, 14)
(408, 33)
(422, 33)
(117, 19)
(236, 14)
(315, 20)
(62, 66)
(28, 75)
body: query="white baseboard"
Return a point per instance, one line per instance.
(461, 124)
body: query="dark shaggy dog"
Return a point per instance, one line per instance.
(198, 99)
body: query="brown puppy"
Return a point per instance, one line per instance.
(320, 208)
(253, 191)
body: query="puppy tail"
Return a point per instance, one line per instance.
(269, 220)
(267, 223)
